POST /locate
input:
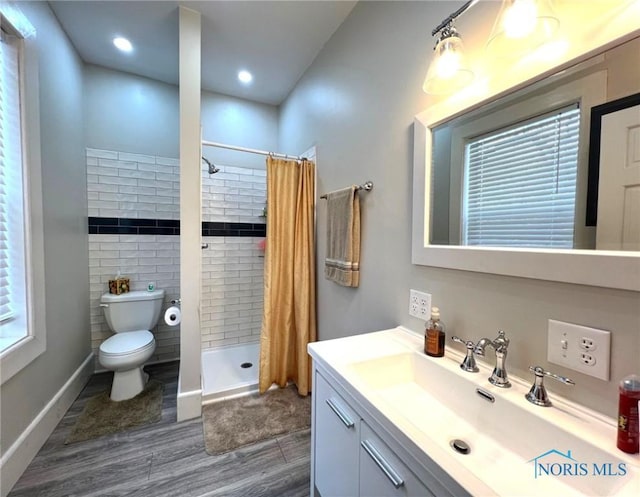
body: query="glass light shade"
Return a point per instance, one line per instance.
(448, 71)
(521, 27)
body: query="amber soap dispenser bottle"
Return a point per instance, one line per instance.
(434, 335)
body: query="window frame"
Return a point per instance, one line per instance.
(24, 351)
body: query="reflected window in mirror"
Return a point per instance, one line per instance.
(516, 174)
(519, 185)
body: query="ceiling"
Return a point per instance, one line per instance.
(275, 40)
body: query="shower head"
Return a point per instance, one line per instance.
(212, 168)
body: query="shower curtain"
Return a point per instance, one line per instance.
(289, 317)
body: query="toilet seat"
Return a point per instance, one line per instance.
(127, 343)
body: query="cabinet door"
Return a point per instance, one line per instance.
(382, 474)
(337, 434)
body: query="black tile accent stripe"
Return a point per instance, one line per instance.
(129, 226)
(233, 229)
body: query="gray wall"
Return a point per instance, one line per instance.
(65, 229)
(238, 122)
(133, 114)
(130, 113)
(356, 103)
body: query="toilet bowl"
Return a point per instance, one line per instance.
(130, 316)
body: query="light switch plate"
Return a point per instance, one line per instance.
(583, 349)
(420, 304)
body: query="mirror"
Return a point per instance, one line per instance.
(516, 174)
(441, 216)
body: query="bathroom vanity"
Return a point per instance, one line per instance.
(385, 417)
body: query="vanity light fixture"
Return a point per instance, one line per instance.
(522, 26)
(123, 44)
(448, 71)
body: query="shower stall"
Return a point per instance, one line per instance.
(233, 241)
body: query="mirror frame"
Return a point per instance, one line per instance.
(609, 269)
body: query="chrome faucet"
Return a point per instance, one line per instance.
(538, 393)
(500, 345)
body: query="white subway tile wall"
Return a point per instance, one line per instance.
(135, 186)
(235, 194)
(232, 267)
(126, 185)
(232, 291)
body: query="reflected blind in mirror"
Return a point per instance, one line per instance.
(520, 183)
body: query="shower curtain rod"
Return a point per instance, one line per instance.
(251, 150)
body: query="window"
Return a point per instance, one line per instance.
(520, 183)
(22, 311)
(12, 221)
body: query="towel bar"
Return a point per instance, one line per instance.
(367, 187)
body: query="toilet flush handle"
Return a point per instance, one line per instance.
(104, 305)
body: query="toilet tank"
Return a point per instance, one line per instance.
(131, 311)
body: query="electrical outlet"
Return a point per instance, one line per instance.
(587, 344)
(587, 359)
(583, 349)
(414, 309)
(420, 304)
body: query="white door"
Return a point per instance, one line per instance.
(619, 184)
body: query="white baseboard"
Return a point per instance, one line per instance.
(189, 404)
(16, 459)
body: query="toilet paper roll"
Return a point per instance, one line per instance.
(172, 316)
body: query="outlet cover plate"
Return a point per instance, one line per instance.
(420, 304)
(566, 347)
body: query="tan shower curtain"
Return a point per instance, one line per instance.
(289, 317)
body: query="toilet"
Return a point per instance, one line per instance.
(130, 316)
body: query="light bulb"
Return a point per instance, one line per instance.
(245, 77)
(123, 44)
(448, 64)
(448, 71)
(520, 19)
(522, 26)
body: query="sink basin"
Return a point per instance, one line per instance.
(516, 448)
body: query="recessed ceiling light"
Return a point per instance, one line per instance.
(245, 77)
(122, 44)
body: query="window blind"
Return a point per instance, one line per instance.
(520, 183)
(10, 167)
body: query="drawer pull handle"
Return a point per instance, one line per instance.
(382, 463)
(346, 420)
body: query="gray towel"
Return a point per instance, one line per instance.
(342, 263)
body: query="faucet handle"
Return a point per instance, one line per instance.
(539, 372)
(538, 393)
(469, 362)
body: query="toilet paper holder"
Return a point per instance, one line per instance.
(176, 301)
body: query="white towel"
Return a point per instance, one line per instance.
(342, 262)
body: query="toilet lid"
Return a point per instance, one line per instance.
(126, 342)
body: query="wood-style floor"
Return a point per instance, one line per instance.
(162, 459)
